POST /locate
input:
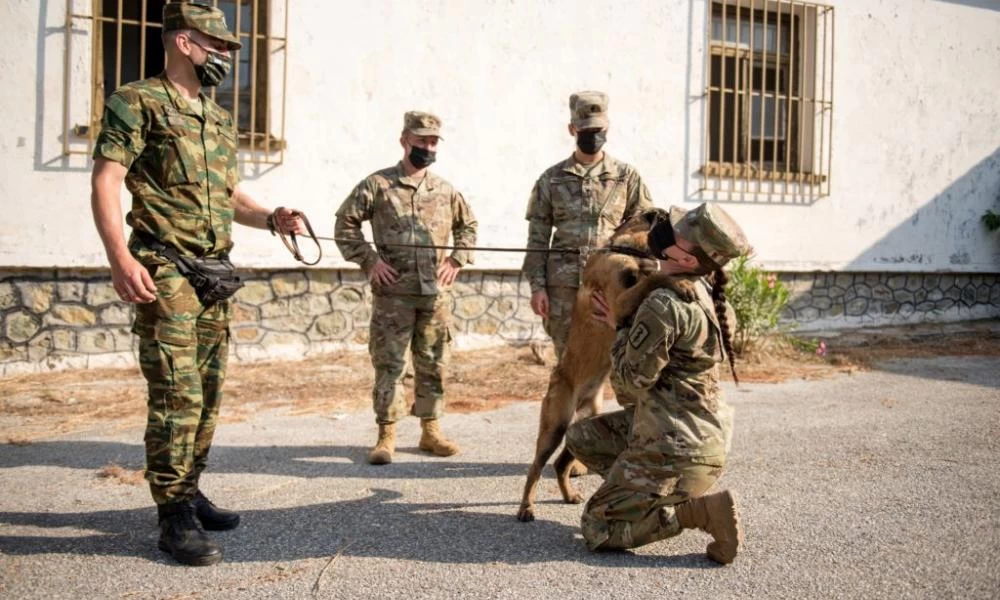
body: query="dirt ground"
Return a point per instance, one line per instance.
(39, 406)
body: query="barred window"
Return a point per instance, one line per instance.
(126, 45)
(769, 113)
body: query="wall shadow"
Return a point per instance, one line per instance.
(958, 209)
(972, 370)
(983, 4)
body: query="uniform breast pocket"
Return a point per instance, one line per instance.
(175, 151)
(613, 204)
(567, 199)
(225, 159)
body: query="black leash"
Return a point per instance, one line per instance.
(292, 244)
(476, 248)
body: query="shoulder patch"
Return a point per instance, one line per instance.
(638, 335)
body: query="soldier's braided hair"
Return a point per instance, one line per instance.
(719, 281)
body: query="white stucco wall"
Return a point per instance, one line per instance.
(916, 122)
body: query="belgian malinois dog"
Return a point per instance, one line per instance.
(625, 272)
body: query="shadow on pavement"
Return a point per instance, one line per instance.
(292, 461)
(974, 370)
(375, 526)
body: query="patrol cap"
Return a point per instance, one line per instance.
(588, 110)
(200, 17)
(422, 123)
(716, 236)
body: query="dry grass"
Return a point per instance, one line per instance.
(41, 406)
(121, 475)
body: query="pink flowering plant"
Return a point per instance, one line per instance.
(758, 298)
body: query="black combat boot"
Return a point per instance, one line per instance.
(212, 517)
(183, 537)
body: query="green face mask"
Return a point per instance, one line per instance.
(214, 70)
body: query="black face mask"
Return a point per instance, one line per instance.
(661, 237)
(421, 157)
(591, 142)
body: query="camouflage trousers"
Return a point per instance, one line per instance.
(183, 348)
(618, 515)
(561, 302)
(419, 323)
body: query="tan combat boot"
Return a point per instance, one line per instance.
(381, 454)
(432, 440)
(717, 515)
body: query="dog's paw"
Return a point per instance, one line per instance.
(577, 470)
(574, 498)
(526, 514)
(684, 289)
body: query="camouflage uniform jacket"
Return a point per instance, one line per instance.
(406, 211)
(181, 166)
(583, 205)
(668, 359)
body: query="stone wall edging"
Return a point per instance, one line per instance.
(53, 319)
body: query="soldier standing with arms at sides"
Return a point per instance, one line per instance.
(660, 456)
(576, 204)
(175, 150)
(407, 204)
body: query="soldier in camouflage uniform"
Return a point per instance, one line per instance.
(660, 456)
(575, 205)
(175, 149)
(411, 308)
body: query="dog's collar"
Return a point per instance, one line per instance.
(629, 251)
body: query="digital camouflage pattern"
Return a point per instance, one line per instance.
(422, 123)
(415, 311)
(589, 110)
(672, 444)
(619, 516)
(183, 349)
(201, 17)
(404, 210)
(181, 162)
(397, 321)
(557, 325)
(668, 361)
(717, 237)
(575, 206)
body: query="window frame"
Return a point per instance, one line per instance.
(262, 142)
(795, 159)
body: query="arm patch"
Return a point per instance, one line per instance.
(638, 335)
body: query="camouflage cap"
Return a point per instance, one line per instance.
(588, 110)
(716, 236)
(422, 123)
(200, 17)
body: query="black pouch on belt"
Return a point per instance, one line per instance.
(213, 279)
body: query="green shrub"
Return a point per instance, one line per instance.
(758, 299)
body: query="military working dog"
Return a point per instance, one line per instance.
(625, 273)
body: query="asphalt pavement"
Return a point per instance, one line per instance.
(879, 484)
